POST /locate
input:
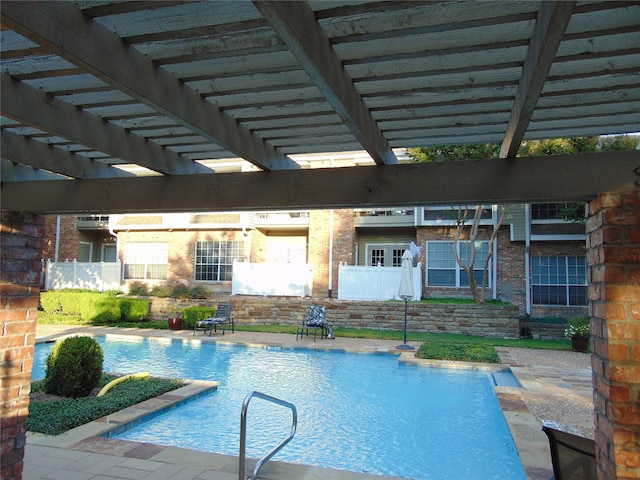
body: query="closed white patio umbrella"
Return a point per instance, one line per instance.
(406, 291)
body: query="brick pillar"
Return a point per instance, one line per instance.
(319, 251)
(613, 255)
(21, 239)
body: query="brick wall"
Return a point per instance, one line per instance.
(181, 245)
(344, 244)
(21, 241)
(69, 242)
(613, 256)
(511, 271)
(487, 321)
(319, 251)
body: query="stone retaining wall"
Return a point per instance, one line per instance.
(543, 330)
(498, 321)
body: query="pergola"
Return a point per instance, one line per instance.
(180, 87)
(113, 106)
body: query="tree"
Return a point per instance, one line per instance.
(557, 146)
(479, 294)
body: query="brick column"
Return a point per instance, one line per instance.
(21, 239)
(613, 255)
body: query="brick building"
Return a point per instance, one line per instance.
(538, 262)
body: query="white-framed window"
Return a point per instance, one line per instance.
(214, 260)
(146, 260)
(559, 280)
(444, 271)
(386, 255)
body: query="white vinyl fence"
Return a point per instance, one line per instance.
(272, 279)
(374, 283)
(90, 275)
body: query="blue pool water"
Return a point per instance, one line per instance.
(364, 413)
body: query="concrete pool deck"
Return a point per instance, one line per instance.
(556, 387)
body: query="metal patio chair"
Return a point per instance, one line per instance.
(222, 318)
(573, 457)
(315, 320)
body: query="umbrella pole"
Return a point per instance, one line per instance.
(404, 346)
(406, 302)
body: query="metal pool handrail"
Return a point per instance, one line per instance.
(243, 432)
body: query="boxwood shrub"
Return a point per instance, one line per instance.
(190, 315)
(102, 307)
(74, 367)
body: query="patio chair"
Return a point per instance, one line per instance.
(315, 320)
(222, 318)
(573, 457)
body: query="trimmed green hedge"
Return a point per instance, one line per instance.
(461, 352)
(102, 307)
(190, 315)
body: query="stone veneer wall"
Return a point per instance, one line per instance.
(543, 330)
(498, 321)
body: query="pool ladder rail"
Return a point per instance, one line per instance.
(243, 433)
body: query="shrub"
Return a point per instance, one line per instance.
(74, 367)
(51, 301)
(138, 289)
(134, 308)
(183, 292)
(461, 352)
(200, 292)
(161, 291)
(98, 307)
(192, 314)
(56, 417)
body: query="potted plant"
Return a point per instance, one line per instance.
(175, 317)
(578, 331)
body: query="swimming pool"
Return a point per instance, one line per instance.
(365, 413)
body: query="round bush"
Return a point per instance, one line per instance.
(74, 367)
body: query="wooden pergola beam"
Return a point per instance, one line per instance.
(297, 26)
(552, 21)
(63, 29)
(560, 178)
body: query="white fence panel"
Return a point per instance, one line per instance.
(272, 279)
(90, 275)
(374, 283)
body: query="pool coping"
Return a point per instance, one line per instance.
(525, 428)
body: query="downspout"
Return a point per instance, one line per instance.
(330, 253)
(527, 257)
(112, 222)
(494, 266)
(330, 293)
(57, 252)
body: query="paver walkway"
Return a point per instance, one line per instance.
(556, 387)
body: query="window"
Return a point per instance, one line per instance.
(109, 253)
(558, 211)
(385, 255)
(545, 211)
(559, 281)
(146, 261)
(85, 252)
(444, 271)
(214, 260)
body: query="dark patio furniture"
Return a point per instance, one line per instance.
(573, 457)
(222, 318)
